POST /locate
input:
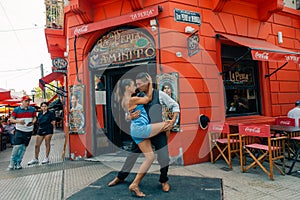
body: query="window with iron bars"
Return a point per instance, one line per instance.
(54, 14)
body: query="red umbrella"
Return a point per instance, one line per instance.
(4, 94)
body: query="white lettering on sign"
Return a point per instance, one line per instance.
(252, 130)
(80, 30)
(217, 128)
(292, 58)
(263, 56)
(285, 122)
(146, 13)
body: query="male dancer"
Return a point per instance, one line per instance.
(160, 142)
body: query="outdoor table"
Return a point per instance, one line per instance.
(288, 130)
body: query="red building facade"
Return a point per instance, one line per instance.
(212, 50)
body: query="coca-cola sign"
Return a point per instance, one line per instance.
(81, 30)
(259, 130)
(217, 128)
(261, 56)
(285, 123)
(252, 129)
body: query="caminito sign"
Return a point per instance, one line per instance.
(120, 47)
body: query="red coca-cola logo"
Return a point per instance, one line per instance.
(80, 30)
(252, 129)
(262, 56)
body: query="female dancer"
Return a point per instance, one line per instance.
(140, 129)
(46, 122)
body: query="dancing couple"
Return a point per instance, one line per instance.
(145, 130)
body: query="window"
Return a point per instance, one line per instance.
(292, 4)
(240, 82)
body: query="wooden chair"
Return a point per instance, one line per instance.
(257, 144)
(286, 121)
(223, 141)
(294, 142)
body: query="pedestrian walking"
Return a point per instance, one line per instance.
(46, 125)
(24, 116)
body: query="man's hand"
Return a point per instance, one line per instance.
(169, 125)
(134, 115)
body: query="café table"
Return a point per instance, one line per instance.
(288, 131)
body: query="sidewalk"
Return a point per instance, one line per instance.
(59, 180)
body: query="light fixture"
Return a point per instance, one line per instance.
(33, 92)
(178, 54)
(153, 28)
(153, 22)
(189, 29)
(280, 40)
(66, 54)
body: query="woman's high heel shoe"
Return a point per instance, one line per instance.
(135, 190)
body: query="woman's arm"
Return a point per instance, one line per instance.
(143, 100)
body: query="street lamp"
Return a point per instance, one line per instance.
(33, 92)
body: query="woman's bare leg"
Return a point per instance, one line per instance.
(147, 150)
(157, 128)
(47, 143)
(38, 142)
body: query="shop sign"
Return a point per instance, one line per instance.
(187, 16)
(59, 65)
(146, 13)
(120, 47)
(193, 44)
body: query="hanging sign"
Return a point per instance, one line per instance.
(59, 65)
(193, 44)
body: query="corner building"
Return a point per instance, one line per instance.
(211, 50)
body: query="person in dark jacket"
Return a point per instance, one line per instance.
(46, 125)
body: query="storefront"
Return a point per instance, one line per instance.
(229, 60)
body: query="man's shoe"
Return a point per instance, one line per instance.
(19, 166)
(45, 161)
(115, 182)
(33, 161)
(165, 187)
(10, 167)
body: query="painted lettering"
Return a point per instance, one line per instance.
(262, 56)
(292, 58)
(80, 30)
(252, 130)
(138, 15)
(285, 122)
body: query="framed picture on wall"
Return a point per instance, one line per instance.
(77, 109)
(168, 83)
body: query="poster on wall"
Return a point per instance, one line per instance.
(168, 83)
(77, 110)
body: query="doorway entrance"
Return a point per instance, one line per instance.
(110, 117)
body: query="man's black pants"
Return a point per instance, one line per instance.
(161, 146)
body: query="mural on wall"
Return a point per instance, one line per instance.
(168, 83)
(77, 110)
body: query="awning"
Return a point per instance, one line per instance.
(265, 51)
(54, 76)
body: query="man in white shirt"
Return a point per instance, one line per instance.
(295, 113)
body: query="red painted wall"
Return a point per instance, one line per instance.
(201, 89)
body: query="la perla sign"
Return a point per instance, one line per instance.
(120, 47)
